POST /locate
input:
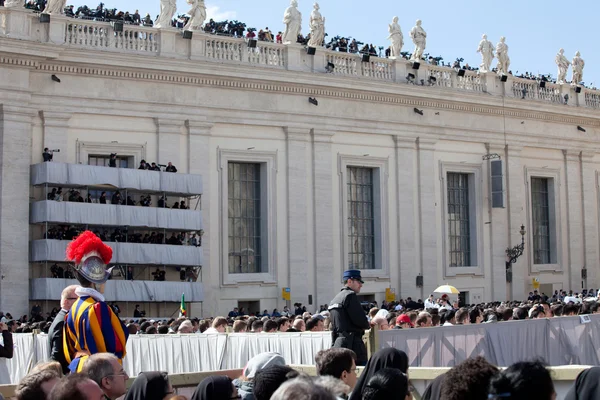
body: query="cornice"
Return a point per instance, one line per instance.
(187, 78)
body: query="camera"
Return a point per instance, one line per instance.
(113, 154)
(55, 150)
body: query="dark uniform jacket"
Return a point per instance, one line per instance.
(6, 351)
(55, 340)
(349, 323)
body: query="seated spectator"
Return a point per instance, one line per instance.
(339, 363)
(239, 326)
(176, 205)
(143, 165)
(37, 385)
(162, 202)
(52, 366)
(387, 383)
(269, 379)
(586, 386)
(116, 198)
(154, 167)
(448, 318)
(219, 325)
(523, 381)
(257, 326)
(424, 320)
(270, 326)
(384, 358)
(302, 388)
(381, 323)
(186, 327)
(462, 316)
(170, 168)
(299, 325)
(315, 324)
(403, 322)
(183, 206)
(76, 386)
(150, 386)
(6, 350)
(102, 199)
(283, 324)
(106, 370)
(245, 383)
(215, 388)
(469, 380)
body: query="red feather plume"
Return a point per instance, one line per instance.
(86, 243)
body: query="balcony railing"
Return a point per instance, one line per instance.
(124, 253)
(79, 175)
(141, 41)
(118, 290)
(61, 212)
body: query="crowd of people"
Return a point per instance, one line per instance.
(268, 377)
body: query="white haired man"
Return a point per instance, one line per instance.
(55, 333)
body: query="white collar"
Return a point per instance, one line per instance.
(93, 293)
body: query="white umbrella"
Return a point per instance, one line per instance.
(446, 289)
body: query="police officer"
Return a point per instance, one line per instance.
(348, 318)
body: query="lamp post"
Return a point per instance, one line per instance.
(513, 253)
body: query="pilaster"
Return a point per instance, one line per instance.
(516, 200)
(169, 141)
(295, 57)
(589, 216)
(15, 157)
(198, 46)
(57, 29)
(498, 233)
(428, 225)
(406, 210)
(56, 135)
(327, 275)
(167, 42)
(400, 70)
(199, 163)
(301, 273)
(574, 207)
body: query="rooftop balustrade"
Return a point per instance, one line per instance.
(139, 41)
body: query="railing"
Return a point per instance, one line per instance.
(470, 81)
(551, 93)
(592, 99)
(237, 50)
(443, 76)
(378, 68)
(345, 64)
(101, 35)
(524, 88)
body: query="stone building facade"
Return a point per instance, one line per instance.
(383, 173)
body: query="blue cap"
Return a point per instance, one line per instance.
(352, 274)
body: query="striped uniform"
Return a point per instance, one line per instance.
(91, 326)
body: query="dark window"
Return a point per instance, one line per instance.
(459, 224)
(244, 218)
(541, 221)
(361, 237)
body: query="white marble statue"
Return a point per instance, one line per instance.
(55, 7)
(317, 28)
(396, 38)
(197, 15)
(293, 23)
(578, 65)
(419, 38)
(486, 48)
(13, 3)
(502, 56)
(563, 66)
(167, 11)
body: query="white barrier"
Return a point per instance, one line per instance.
(178, 354)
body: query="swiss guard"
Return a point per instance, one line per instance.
(91, 326)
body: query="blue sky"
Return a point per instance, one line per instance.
(535, 30)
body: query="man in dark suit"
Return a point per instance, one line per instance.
(55, 333)
(6, 351)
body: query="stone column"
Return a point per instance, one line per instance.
(169, 145)
(57, 29)
(198, 45)
(574, 208)
(498, 233)
(17, 24)
(199, 163)
(589, 216)
(428, 225)
(516, 200)
(167, 42)
(400, 67)
(328, 278)
(56, 135)
(406, 182)
(15, 157)
(301, 272)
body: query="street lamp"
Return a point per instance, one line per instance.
(514, 253)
